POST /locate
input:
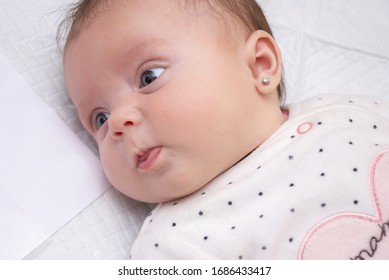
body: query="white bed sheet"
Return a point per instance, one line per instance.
(334, 46)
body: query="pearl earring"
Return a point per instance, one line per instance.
(266, 80)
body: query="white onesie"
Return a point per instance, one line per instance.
(317, 188)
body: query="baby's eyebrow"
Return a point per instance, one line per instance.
(146, 45)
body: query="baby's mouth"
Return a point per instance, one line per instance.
(147, 159)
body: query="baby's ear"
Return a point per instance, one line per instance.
(264, 60)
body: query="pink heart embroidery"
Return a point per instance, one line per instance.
(353, 235)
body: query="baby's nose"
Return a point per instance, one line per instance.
(121, 120)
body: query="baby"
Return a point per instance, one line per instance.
(184, 99)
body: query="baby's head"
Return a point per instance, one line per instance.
(174, 92)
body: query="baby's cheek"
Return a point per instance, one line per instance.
(113, 167)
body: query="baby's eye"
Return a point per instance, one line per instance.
(149, 76)
(100, 119)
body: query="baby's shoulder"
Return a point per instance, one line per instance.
(336, 102)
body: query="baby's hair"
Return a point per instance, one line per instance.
(246, 13)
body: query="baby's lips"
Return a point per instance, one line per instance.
(143, 156)
(147, 159)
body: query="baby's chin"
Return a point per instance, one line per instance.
(164, 198)
(167, 194)
(151, 197)
(169, 184)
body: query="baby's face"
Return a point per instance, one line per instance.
(168, 106)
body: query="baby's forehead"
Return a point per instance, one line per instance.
(87, 13)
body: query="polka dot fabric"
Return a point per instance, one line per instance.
(317, 165)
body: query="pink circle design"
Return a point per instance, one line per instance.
(304, 127)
